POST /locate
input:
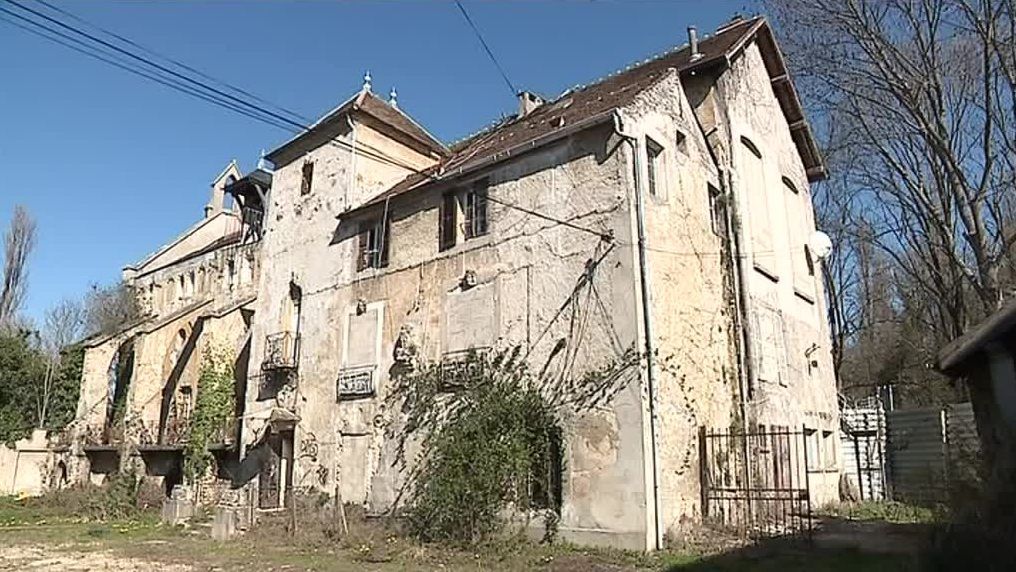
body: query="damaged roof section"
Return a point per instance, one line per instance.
(585, 105)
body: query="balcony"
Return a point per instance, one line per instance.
(252, 222)
(282, 352)
(355, 383)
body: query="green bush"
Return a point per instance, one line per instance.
(490, 442)
(216, 404)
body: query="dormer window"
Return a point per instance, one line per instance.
(307, 177)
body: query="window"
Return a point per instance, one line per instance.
(814, 449)
(798, 223)
(681, 143)
(307, 179)
(655, 166)
(718, 212)
(475, 209)
(373, 245)
(449, 217)
(828, 450)
(472, 203)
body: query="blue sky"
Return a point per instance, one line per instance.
(112, 166)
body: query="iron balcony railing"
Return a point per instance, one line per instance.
(282, 352)
(355, 383)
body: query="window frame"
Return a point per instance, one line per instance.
(654, 167)
(464, 214)
(448, 217)
(373, 248)
(307, 177)
(717, 211)
(476, 219)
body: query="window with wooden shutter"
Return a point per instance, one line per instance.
(373, 244)
(447, 230)
(362, 249)
(476, 210)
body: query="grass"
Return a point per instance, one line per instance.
(887, 511)
(371, 545)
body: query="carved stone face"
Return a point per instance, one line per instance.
(361, 307)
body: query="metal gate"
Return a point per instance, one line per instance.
(756, 483)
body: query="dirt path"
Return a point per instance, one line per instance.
(68, 559)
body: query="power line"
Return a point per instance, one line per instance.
(210, 95)
(82, 48)
(171, 60)
(156, 65)
(218, 97)
(603, 235)
(483, 42)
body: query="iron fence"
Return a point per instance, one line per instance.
(756, 482)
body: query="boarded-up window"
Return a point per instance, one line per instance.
(373, 244)
(448, 217)
(769, 344)
(307, 177)
(362, 339)
(797, 234)
(753, 181)
(470, 320)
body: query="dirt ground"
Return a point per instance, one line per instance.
(68, 559)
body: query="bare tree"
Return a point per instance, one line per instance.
(110, 308)
(63, 325)
(921, 93)
(19, 241)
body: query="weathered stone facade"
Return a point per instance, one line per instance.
(194, 294)
(664, 211)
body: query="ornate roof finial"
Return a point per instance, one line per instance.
(393, 97)
(366, 81)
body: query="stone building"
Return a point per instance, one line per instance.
(139, 384)
(663, 211)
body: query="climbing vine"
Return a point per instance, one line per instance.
(490, 441)
(213, 409)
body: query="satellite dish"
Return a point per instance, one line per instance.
(820, 244)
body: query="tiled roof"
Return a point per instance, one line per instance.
(582, 103)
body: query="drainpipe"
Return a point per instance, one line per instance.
(647, 323)
(742, 321)
(735, 234)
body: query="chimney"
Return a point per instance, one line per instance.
(693, 43)
(528, 102)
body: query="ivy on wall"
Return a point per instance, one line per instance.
(490, 440)
(214, 408)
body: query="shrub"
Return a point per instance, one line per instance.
(490, 442)
(216, 403)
